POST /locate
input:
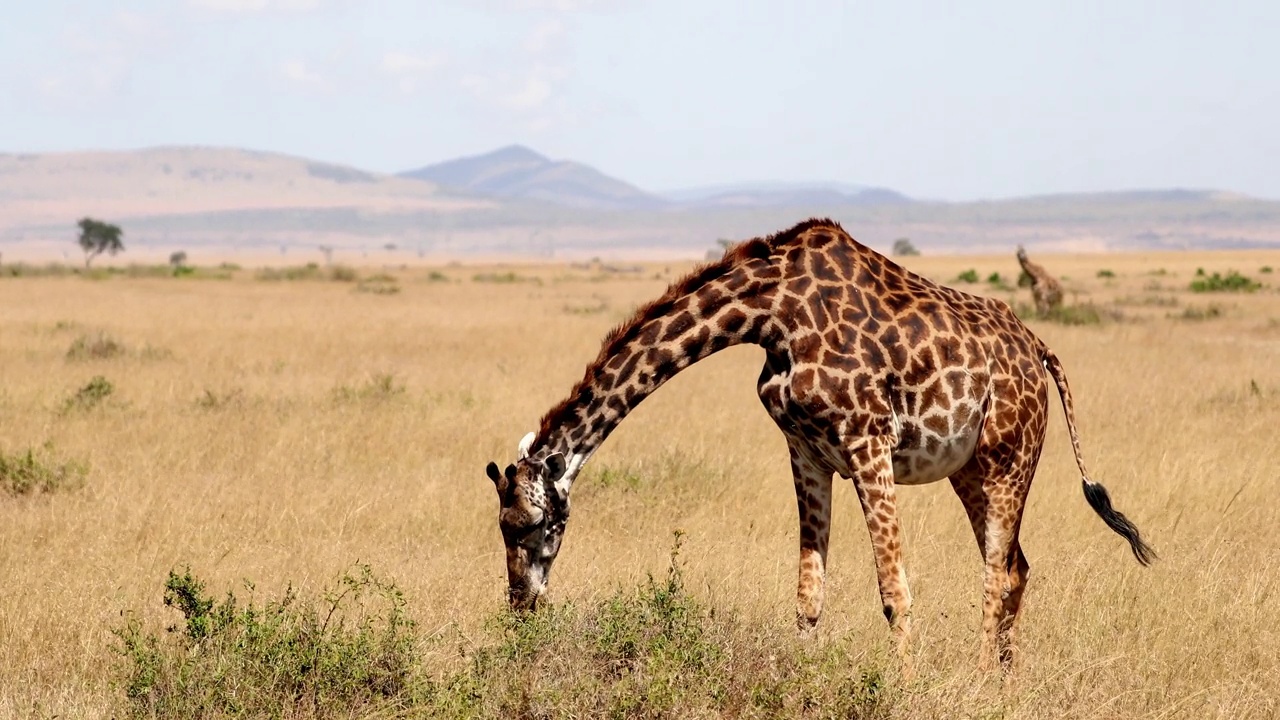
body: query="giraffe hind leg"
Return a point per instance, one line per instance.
(995, 513)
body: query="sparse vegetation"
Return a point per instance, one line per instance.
(299, 461)
(380, 387)
(1197, 313)
(39, 472)
(1071, 314)
(1265, 270)
(1104, 273)
(1231, 282)
(96, 346)
(504, 278)
(969, 276)
(380, 284)
(310, 271)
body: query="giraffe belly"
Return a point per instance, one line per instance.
(926, 456)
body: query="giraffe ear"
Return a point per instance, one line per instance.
(555, 466)
(526, 443)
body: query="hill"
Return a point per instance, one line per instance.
(516, 171)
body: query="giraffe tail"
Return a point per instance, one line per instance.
(1094, 492)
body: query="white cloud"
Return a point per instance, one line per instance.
(297, 72)
(408, 70)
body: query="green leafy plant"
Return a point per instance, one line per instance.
(1106, 273)
(968, 276)
(350, 650)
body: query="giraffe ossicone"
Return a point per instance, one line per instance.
(871, 372)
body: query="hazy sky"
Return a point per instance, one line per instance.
(938, 100)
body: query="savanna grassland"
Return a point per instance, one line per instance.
(270, 434)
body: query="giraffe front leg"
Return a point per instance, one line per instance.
(873, 479)
(813, 499)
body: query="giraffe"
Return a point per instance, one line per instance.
(1045, 289)
(871, 372)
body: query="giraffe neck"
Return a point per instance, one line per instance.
(724, 304)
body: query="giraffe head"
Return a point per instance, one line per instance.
(534, 507)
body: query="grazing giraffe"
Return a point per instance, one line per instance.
(871, 372)
(1045, 288)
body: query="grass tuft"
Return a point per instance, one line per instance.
(39, 472)
(98, 346)
(90, 395)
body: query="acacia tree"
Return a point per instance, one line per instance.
(902, 247)
(97, 237)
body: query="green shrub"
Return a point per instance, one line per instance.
(1106, 274)
(98, 346)
(90, 395)
(353, 649)
(968, 276)
(39, 473)
(1231, 282)
(437, 276)
(1265, 270)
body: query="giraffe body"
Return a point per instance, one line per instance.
(871, 372)
(1046, 291)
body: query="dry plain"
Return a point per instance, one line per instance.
(280, 431)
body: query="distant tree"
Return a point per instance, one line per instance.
(178, 259)
(902, 247)
(328, 254)
(97, 237)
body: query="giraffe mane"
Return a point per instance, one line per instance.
(753, 249)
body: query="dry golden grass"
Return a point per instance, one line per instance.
(253, 434)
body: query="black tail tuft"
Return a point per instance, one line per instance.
(1100, 501)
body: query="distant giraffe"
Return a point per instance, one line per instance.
(871, 372)
(1045, 289)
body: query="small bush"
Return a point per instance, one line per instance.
(437, 276)
(968, 276)
(352, 649)
(90, 396)
(1265, 270)
(343, 273)
(1106, 274)
(39, 473)
(1231, 282)
(98, 346)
